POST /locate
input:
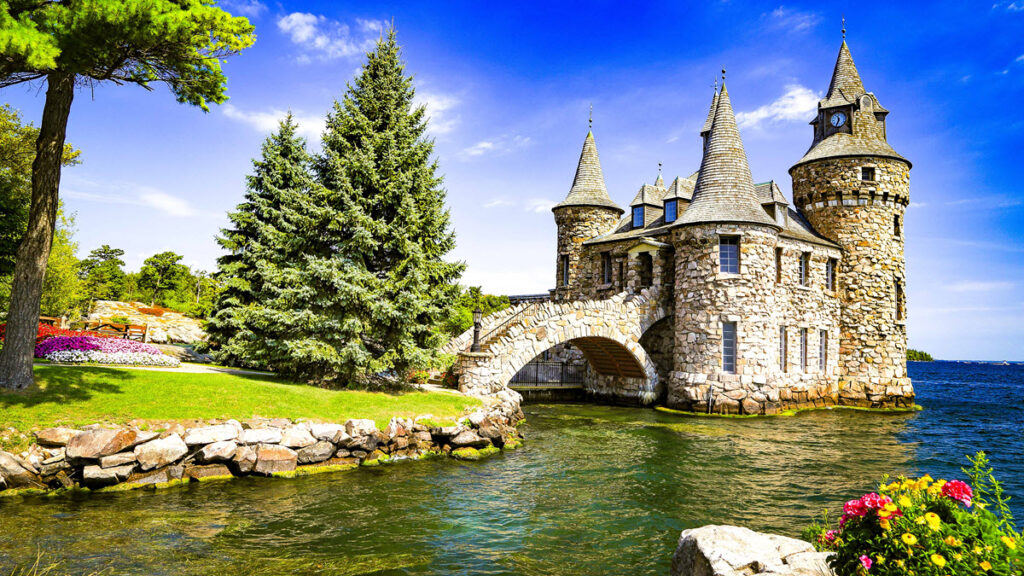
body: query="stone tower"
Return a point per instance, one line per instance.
(723, 310)
(854, 189)
(586, 212)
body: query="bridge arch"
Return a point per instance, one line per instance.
(607, 331)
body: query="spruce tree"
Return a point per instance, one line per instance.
(266, 236)
(379, 272)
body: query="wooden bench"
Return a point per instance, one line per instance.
(127, 331)
(49, 321)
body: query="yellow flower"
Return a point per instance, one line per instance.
(884, 523)
(933, 520)
(909, 539)
(880, 559)
(977, 550)
(920, 520)
(905, 502)
(952, 541)
(938, 560)
(890, 507)
(1009, 542)
(985, 565)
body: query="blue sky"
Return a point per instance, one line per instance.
(508, 86)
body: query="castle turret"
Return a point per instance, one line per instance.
(724, 245)
(585, 213)
(854, 188)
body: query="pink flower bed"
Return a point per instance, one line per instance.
(86, 343)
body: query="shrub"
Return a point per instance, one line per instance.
(926, 528)
(120, 320)
(419, 377)
(47, 331)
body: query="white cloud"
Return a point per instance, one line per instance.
(499, 203)
(440, 107)
(793, 20)
(539, 205)
(797, 104)
(502, 145)
(311, 126)
(917, 204)
(976, 286)
(329, 39)
(1011, 6)
(250, 8)
(137, 196)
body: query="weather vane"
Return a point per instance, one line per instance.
(659, 168)
(723, 76)
(590, 121)
(844, 27)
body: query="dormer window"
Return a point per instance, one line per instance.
(638, 217)
(671, 207)
(867, 174)
(780, 215)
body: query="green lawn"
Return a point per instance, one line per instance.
(78, 396)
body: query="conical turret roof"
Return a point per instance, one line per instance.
(711, 114)
(846, 85)
(588, 188)
(725, 190)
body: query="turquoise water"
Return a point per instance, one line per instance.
(595, 490)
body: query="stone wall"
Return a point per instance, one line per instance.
(705, 298)
(862, 217)
(168, 327)
(575, 225)
(96, 457)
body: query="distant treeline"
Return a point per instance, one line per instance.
(918, 356)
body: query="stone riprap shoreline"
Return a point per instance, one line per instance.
(97, 457)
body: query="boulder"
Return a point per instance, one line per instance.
(16, 473)
(360, 427)
(734, 551)
(330, 432)
(271, 458)
(260, 436)
(94, 444)
(396, 429)
(207, 471)
(244, 460)
(94, 475)
(53, 465)
(211, 434)
(471, 439)
(119, 459)
(162, 452)
(318, 452)
(364, 443)
(296, 437)
(218, 451)
(56, 437)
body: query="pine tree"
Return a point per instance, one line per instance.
(266, 236)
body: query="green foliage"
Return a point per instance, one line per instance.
(103, 273)
(62, 288)
(179, 42)
(17, 151)
(161, 276)
(461, 317)
(341, 279)
(918, 356)
(926, 528)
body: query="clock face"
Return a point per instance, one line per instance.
(838, 119)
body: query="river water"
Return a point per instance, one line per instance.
(595, 490)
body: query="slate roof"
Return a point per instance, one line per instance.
(846, 85)
(843, 144)
(725, 190)
(711, 114)
(798, 228)
(769, 192)
(682, 188)
(588, 188)
(650, 195)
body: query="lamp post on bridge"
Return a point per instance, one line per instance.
(478, 315)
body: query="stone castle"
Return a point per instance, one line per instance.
(714, 293)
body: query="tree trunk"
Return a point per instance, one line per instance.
(34, 248)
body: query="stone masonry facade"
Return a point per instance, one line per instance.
(715, 294)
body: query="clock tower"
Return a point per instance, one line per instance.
(854, 189)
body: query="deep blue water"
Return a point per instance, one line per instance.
(595, 490)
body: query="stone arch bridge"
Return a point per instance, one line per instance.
(607, 331)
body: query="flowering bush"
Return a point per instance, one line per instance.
(123, 358)
(47, 331)
(926, 528)
(78, 349)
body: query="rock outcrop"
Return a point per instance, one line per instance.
(734, 551)
(162, 327)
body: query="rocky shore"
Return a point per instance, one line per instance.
(98, 457)
(734, 551)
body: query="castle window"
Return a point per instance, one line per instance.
(729, 254)
(778, 265)
(646, 270)
(805, 261)
(783, 348)
(729, 347)
(823, 350)
(565, 270)
(867, 174)
(622, 276)
(638, 217)
(803, 349)
(606, 268)
(900, 313)
(896, 225)
(830, 274)
(671, 207)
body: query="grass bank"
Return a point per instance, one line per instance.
(76, 396)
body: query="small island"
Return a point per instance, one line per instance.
(918, 356)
